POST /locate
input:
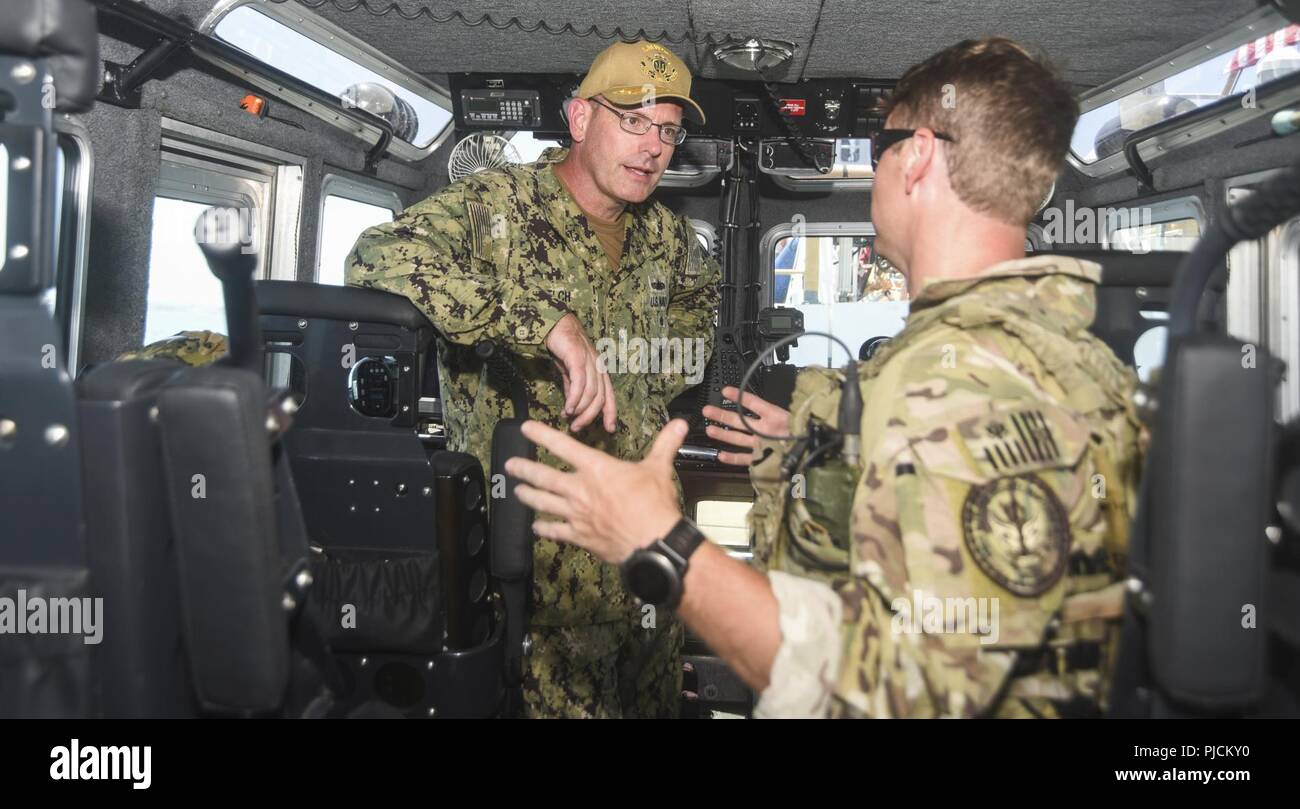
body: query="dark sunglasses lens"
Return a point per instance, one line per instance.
(882, 143)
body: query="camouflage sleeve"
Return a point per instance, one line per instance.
(439, 254)
(692, 312)
(190, 347)
(803, 673)
(960, 533)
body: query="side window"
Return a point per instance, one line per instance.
(348, 208)
(315, 50)
(1175, 234)
(1149, 348)
(835, 276)
(183, 294)
(724, 521)
(1286, 330)
(530, 148)
(1215, 74)
(1173, 224)
(706, 234)
(1169, 225)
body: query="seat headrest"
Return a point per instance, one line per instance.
(64, 33)
(1123, 268)
(304, 299)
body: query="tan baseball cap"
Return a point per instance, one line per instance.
(632, 73)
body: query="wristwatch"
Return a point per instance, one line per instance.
(654, 575)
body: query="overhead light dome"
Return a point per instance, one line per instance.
(755, 54)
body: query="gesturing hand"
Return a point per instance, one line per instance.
(768, 418)
(608, 506)
(588, 392)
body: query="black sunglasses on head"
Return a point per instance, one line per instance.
(886, 138)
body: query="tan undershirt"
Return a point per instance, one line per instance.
(611, 235)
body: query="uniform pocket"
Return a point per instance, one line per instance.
(819, 515)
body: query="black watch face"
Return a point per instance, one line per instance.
(648, 580)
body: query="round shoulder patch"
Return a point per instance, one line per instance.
(1018, 533)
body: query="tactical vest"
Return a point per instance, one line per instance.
(807, 532)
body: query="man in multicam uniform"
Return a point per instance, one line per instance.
(544, 259)
(968, 563)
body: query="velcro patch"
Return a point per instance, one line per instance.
(996, 439)
(657, 289)
(1018, 533)
(694, 257)
(480, 228)
(1022, 440)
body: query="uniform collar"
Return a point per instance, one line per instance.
(566, 212)
(569, 218)
(1060, 273)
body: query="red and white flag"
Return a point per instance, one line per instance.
(1252, 52)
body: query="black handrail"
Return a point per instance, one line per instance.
(1274, 202)
(1263, 92)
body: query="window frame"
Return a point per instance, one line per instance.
(356, 190)
(1249, 27)
(1187, 206)
(210, 168)
(188, 179)
(329, 35)
(811, 229)
(1284, 271)
(767, 244)
(812, 182)
(74, 237)
(708, 231)
(1263, 295)
(283, 214)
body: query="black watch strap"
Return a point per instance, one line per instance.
(684, 538)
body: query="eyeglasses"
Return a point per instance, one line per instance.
(671, 134)
(886, 138)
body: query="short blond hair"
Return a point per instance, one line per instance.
(1009, 112)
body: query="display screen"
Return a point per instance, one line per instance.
(492, 105)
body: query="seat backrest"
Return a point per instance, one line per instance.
(140, 666)
(400, 525)
(1133, 297)
(220, 484)
(371, 487)
(188, 541)
(331, 340)
(64, 34)
(1207, 631)
(43, 554)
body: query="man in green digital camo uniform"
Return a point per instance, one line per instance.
(607, 304)
(190, 347)
(967, 561)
